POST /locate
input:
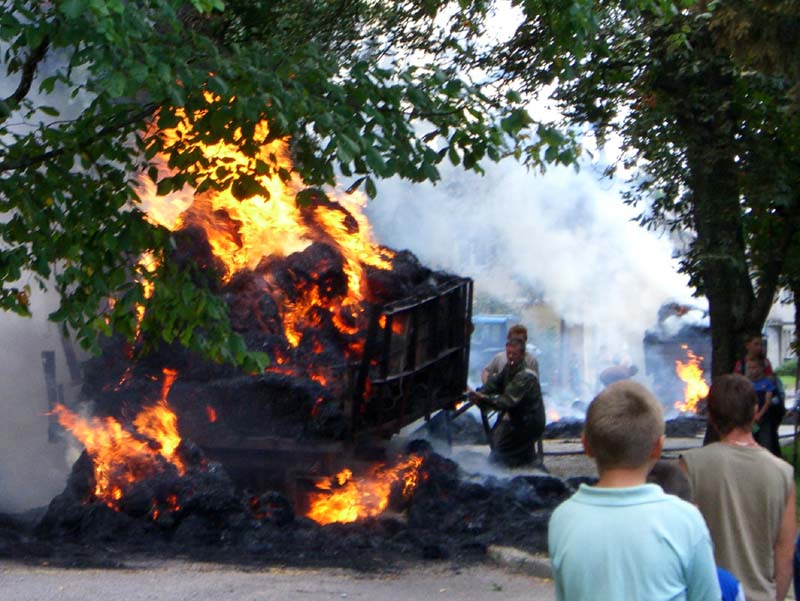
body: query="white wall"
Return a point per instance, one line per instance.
(32, 470)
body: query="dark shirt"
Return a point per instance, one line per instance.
(515, 389)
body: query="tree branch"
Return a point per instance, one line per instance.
(28, 72)
(772, 270)
(32, 161)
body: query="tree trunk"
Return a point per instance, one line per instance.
(718, 260)
(720, 249)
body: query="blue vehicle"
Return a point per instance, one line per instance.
(488, 339)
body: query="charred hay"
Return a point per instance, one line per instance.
(447, 517)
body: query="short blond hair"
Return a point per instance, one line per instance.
(623, 424)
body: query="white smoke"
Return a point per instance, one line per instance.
(565, 237)
(32, 468)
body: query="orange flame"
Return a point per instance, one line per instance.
(695, 388)
(347, 499)
(397, 327)
(147, 262)
(211, 413)
(121, 457)
(242, 232)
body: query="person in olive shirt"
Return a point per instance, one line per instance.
(514, 391)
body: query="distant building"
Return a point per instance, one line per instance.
(779, 333)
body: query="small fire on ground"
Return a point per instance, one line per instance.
(345, 498)
(695, 387)
(121, 456)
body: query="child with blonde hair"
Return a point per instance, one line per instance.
(623, 538)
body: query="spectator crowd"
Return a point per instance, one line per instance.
(717, 523)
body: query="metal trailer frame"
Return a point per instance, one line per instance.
(415, 363)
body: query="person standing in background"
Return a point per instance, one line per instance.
(746, 494)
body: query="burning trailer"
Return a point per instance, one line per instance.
(328, 404)
(362, 341)
(183, 455)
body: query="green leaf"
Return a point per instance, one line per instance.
(375, 161)
(246, 186)
(115, 84)
(309, 197)
(48, 84)
(452, 153)
(164, 187)
(348, 149)
(370, 188)
(72, 8)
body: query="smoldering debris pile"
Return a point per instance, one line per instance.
(300, 394)
(683, 426)
(200, 514)
(466, 429)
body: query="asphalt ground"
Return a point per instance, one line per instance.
(191, 581)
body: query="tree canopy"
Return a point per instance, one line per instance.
(709, 132)
(702, 95)
(363, 88)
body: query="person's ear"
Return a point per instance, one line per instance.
(586, 447)
(658, 447)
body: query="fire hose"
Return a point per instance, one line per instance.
(486, 416)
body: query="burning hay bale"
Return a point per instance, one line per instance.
(193, 507)
(314, 350)
(682, 426)
(444, 515)
(566, 427)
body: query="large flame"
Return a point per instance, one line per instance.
(121, 456)
(243, 232)
(347, 499)
(695, 388)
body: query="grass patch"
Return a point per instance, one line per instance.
(787, 368)
(788, 453)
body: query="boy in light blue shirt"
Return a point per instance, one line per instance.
(624, 539)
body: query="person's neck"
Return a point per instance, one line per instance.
(739, 437)
(622, 477)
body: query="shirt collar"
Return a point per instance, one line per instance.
(629, 495)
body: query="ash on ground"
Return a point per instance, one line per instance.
(467, 429)
(201, 515)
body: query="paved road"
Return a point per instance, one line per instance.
(185, 581)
